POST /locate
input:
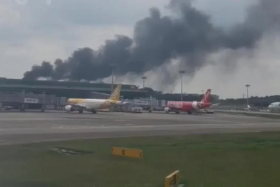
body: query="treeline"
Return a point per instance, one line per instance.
(253, 101)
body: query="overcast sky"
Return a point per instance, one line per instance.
(35, 30)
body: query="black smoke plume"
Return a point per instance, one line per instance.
(188, 37)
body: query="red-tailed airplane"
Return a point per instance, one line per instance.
(189, 106)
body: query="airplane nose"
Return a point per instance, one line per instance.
(269, 106)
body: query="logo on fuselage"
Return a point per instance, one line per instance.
(175, 104)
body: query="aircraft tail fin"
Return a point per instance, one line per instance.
(206, 97)
(116, 94)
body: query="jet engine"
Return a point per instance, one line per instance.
(196, 105)
(69, 108)
(166, 109)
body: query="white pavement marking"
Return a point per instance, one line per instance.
(248, 124)
(28, 119)
(101, 127)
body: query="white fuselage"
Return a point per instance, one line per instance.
(274, 106)
(91, 104)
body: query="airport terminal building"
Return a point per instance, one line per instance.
(27, 94)
(66, 88)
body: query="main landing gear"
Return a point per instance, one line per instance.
(81, 110)
(178, 112)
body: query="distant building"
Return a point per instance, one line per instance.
(86, 89)
(66, 88)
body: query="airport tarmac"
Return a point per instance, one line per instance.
(16, 127)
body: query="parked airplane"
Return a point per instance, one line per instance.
(274, 107)
(189, 106)
(93, 105)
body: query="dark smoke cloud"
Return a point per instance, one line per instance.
(188, 37)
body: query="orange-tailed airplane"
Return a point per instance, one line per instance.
(93, 105)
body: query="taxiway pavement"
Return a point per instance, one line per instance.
(16, 127)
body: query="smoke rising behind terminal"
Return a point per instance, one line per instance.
(188, 38)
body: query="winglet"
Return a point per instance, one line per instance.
(206, 97)
(116, 94)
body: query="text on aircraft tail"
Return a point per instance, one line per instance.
(206, 97)
(116, 94)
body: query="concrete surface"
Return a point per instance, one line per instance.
(16, 127)
(261, 113)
